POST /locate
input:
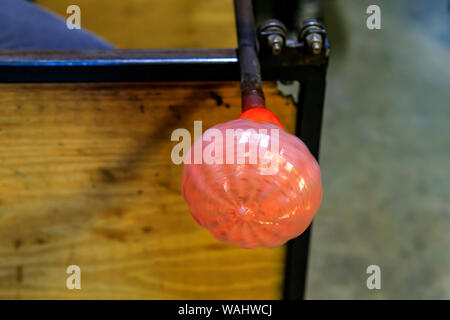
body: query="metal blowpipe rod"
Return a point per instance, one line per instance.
(251, 82)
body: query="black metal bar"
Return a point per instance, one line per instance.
(251, 82)
(116, 57)
(308, 128)
(140, 65)
(119, 65)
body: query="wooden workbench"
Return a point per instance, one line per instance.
(86, 178)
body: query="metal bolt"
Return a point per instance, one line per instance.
(273, 33)
(315, 42)
(275, 42)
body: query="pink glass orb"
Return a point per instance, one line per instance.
(253, 188)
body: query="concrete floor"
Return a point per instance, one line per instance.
(385, 154)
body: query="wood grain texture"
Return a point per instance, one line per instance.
(86, 178)
(156, 23)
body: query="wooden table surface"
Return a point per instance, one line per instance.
(156, 23)
(86, 178)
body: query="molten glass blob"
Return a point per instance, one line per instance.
(256, 185)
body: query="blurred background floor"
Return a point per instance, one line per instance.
(385, 154)
(385, 149)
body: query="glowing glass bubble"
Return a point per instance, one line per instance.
(267, 195)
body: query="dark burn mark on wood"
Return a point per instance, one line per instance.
(133, 97)
(17, 244)
(107, 176)
(19, 274)
(176, 111)
(81, 152)
(168, 186)
(117, 212)
(113, 213)
(217, 98)
(114, 234)
(227, 106)
(142, 108)
(140, 192)
(41, 241)
(20, 174)
(147, 229)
